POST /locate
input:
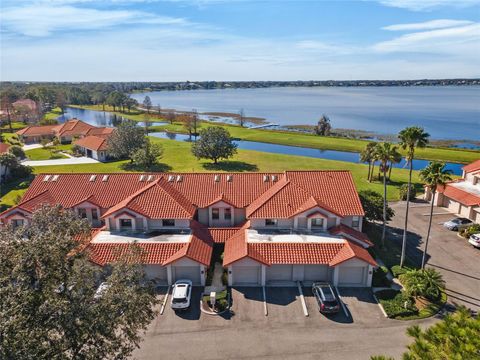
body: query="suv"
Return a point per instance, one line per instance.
(458, 224)
(327, 302)
(181, 295)
(475, 240)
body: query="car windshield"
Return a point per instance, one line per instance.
(179, 300)
(456, 221)
(330, 303)
(327, 292)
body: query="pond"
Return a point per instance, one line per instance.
(352, 157)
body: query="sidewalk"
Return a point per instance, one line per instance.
(69, 161)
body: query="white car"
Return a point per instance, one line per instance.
(458, 224)
(475, 240)
(102, 289)
(181, 295)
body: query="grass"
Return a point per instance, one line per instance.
(53, 114)
(11, 192)
(305, 140)
(430, 310)
(46, 153)
(178, 157)
(16, 125)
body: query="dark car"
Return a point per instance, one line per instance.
(326, 299)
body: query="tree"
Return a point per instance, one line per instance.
(147, 156)
(8, 161)
(171, 117)
(99, 97)
(130, 103)
(241, 118)
(115, 99)
(47, 294)
(323, 126)
(410, 138)
(61, 101)
(187, 121)
(426, 283)
(7, 98)
(147, 103)
(386, 153)
(372, 203)
(195, 121)
(433, 175)
(17, 151)
(125, 140)
(215, 143)
(367, 155)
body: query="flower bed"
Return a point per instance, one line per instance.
(221, 301)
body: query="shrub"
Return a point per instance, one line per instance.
(474, 229)
(56, 155)
(379, 278)
(77, 150)
(397, 270)
(426, 283)
(17, 151)
(404, 191)
(225, 277)
(396, 303)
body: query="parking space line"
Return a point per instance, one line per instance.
(302, 299)
(341, 303)
(162, 309)
(265, 310)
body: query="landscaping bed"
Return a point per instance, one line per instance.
(222, 302)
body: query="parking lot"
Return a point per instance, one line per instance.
(284, 333)
(456, 260)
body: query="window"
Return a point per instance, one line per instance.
(17, 223)
(126, 223)
(317, 222)
(168, 222)
(271, 222)
(355, 221)
(228, 214)
(82, 213)
(94, 214)
(215, 213)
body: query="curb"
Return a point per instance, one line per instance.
(302, 299)
(341, 303)
(265, 310)
(208, 312)
(162, 309)
(380, 305)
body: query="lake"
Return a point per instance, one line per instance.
(446, 112)
(352, 157)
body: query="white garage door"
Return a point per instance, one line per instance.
(316, 273)
(279, 273)
(246, 275)
(186, 272)
(477, 219)
(351, 276)
(156, 272)
(451, 205)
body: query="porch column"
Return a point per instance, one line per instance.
(169, 274)
(369, 275)
(230, 276)
(203, 271)
(335, 276)
(264, 275)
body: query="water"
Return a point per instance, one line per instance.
(97, 118)
(446, 112)
(352, 157)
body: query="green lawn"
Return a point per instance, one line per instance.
(177, 157)
(52, 114)
(11, 192)
(308, 140)
(46, 154)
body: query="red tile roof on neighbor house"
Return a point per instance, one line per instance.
(350, 233)
(99, 131)
(93, 142)
(4, 147)
(459, 195)
(38, 130)
(73, 127)
(472, 167)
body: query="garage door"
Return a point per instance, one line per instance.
(279, 273)
(186, 272)
(246, 275)
(351, 276)
(451, 205)
(156, 272)
(316, 273)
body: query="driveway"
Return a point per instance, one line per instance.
(69, 161)
(286, 333)
(448, 253)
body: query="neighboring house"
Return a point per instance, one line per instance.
(461, 196)
(275, 229)
(3, 172)
(63, 132)
(94, 146)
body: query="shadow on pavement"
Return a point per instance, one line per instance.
(192, 313)
(281, 295)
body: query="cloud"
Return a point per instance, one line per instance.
(420, 5)
(428, 25)
(44, 20)
(457, 40)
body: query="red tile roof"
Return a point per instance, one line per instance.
(38, 130)
(99, 131)
(350, 233)
(459, 195)
(73, 127)
(4, 147)
(221, 235)
(236, 248)
(350, 251)
(94, 142)
(472, 167)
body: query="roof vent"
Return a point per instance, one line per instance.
(150, 178)
(274, 178)
(217, 178)
(171, 178)
(105, 178)
(92, 178)
(265, 178)
(55, 178)
(142, 177)
(47, 177)
(179, 178)
(229, 178)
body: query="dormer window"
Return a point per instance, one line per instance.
(82, 213)
(215, 213)
(17, 223)
(271, 222)
(317, 222)
(168, 222)
(355, 221)
(227, 214)
(125, 224)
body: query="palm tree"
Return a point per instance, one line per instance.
(367, 155)
(427, 283)
(410, 138)
(386, 153)
(433, 175)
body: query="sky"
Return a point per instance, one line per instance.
(228, 40)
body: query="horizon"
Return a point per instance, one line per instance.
(171, 40)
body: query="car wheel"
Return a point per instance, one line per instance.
(455, 229)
